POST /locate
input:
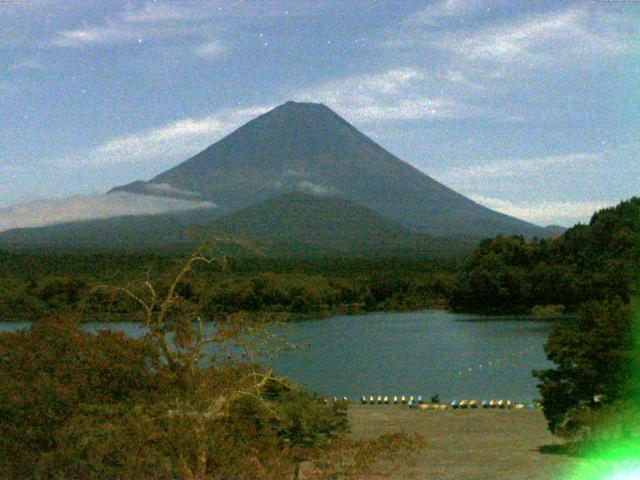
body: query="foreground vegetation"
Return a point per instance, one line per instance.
(95, 406)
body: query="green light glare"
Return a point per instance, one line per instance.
(620, 461)
(633, 474)
(618, 457)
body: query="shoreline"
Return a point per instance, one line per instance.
(356, 312)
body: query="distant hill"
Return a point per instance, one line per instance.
(304, 224)
(554, 230)
(295, 224)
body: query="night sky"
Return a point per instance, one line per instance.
(530, 108)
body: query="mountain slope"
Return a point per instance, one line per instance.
(307, 147)
(294, 224)
(298, 223)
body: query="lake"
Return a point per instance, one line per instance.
(417, 353)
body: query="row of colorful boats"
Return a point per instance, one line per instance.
(418, 402)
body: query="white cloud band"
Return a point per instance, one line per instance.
(87, 207)
(546, 212)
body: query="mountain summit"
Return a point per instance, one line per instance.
(306, 147)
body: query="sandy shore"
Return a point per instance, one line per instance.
(468, 444)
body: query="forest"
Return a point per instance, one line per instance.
(594, 262)
(36, 286)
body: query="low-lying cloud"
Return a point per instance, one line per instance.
(315, 188)
(87, 207)
(544, 212)
(167, 189)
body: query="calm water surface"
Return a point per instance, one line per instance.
(416, 353)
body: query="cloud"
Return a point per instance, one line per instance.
(505, 168)
(153, 12)
(87, 207)
(178, 139)
(114, 33)
(505, 66)
(546, 212)
(212, 50)
(548, 37)
(527, 39)
(152, 21)
(587, 179)
(7, 88)
(165, 188)
(502, 55)
(314, 188)
(94, 35)
(395, 94)
(443, 10)
(27, 64)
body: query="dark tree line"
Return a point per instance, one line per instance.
(35, 287)
(591, 262)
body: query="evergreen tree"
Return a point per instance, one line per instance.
(592, 356)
